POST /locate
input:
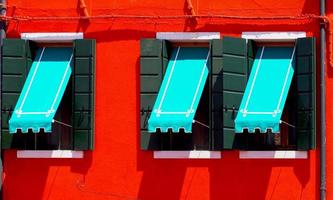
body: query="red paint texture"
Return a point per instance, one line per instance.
(117, 168)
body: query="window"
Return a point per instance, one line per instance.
(174, 95)
(230, 63)
(72, 127)
(296, 131)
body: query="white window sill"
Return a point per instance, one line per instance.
(274, 36)
(188, 36)
(49, 154)
(52, 36)
(187, 154)
(273, 154)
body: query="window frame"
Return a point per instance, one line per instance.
(54, 38)
(187, 37)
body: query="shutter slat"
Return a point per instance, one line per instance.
(84, 63)
(14, 65)
(81, 138)
(14, 48)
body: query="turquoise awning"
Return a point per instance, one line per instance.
(181, 89)
(267, 90)
(42, 90)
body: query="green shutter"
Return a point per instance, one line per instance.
(305, 93)
(153, 63)
(17, 58)
(83, 94)
(237, 56)
(216, 76)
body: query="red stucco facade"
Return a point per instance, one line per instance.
(117, 168)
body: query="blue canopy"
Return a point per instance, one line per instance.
(267, 90)
(181, 89)
(42, 90)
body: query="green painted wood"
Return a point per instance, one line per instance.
(150, 83)
(153, 62)
(151, 48)
(235, 73)
(306, 93)
(6, 140)
(17, 58)
(217, 65)
(217, 102)
(84, 63)
(83, 94)
(81, 140)
(83, 83)
(14, 65)
(217, 82)
(217, 118)
(14, 48)
(82, 101)
(12, 83)
(82, 120)
(251, 49)
(150, 141)
(234, 46)
(229, 77)
(31, 48)
(148, 66)
(14, 141)
(234, 64)
(234, 82)
(216, 94)
(85, 48)
(251, 53)
(216, 46)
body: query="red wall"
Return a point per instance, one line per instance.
(117, 168)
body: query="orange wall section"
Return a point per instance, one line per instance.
(117, 168)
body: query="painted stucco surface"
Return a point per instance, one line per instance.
(117, 168)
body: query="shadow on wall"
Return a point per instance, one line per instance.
(37, 173)
(190, 23)
(83, 24)
(229, 178)
(228, 26)
(233, 178)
